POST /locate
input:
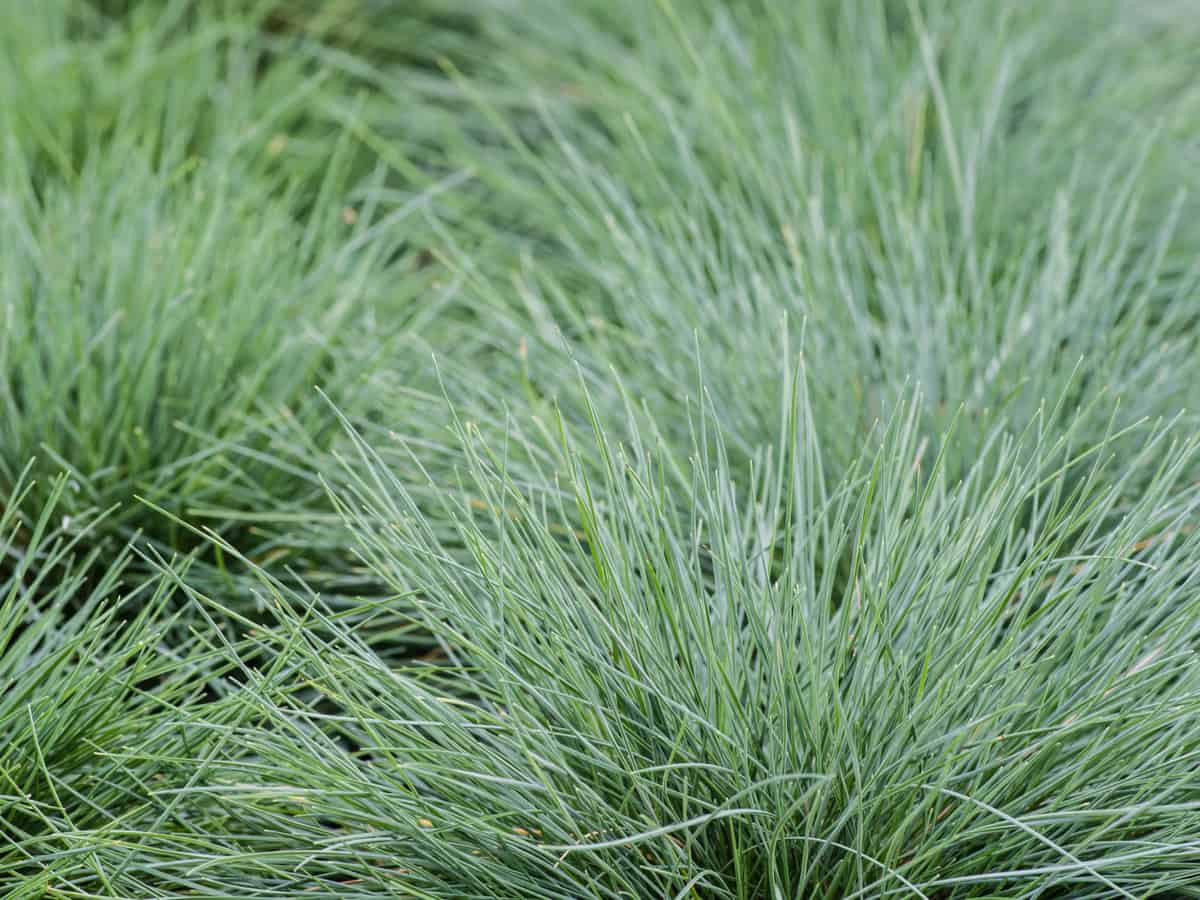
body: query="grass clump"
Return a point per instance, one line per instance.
(882, 683)
(712, 707)
(135, 369)
(683, 190)
(87, 675)
(192, 244)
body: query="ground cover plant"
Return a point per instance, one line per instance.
(86, 673)
(253, 258)
(599, 449)
(718, 711)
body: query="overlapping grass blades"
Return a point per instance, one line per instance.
(172, 285)
(888, 682)
(764, 464)
(87, 675)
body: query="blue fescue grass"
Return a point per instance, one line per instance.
(960, 212)
(752, 455)
(88, 673)
(176, 277)
(884, 682)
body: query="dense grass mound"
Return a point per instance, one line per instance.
(722, 449)
(948, 196)
(178, 277)
(884, 683)
(87, 675)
